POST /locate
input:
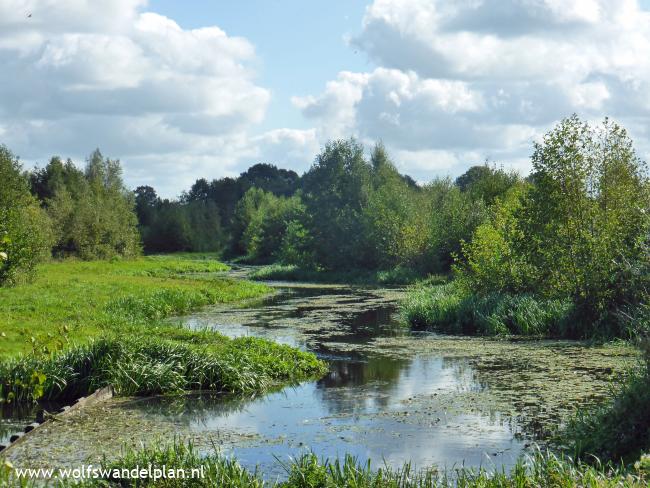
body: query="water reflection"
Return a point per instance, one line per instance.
(14, 417)
(420, 409)
(361, 408)
(369, 406)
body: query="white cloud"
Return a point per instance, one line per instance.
(463, 78)
(174, 104)
(455, 82)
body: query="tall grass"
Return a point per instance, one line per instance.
(106, 321)
(148, 366)
(451, 308)
(540, 470)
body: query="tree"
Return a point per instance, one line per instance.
(492, 258)
(486, 182)
(267, 177)
(146, 202)
(335, 194)
(25, 236)
(92, 211)
(454, 215)
(574, 231)
(587, 211)
(395, 215)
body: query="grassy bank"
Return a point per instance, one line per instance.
(281, 272)
(77, 300)
(450, 308)
(541, 470)
(83, 325)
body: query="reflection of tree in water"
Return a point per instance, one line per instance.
(464, 373)
(349, 386)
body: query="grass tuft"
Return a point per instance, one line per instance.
(540, 470)
(450, 308)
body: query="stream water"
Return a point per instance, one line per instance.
(391, 395)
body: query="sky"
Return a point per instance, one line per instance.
(183, 90)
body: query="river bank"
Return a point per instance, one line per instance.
(391, 395)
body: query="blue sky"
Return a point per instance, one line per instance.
(182, 90)
(300, 44)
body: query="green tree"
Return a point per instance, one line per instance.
(335, 194)
(576, 229)
(486, 182)
(492, 258)
(266, 219)
(25, 236)
(454, 215)
(92, 211)
(395, 215)
(587, 211)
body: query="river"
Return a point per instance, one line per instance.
(391, 396)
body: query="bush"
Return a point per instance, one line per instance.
(25, 232)
(92, 211)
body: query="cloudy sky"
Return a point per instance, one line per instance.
(180, 90)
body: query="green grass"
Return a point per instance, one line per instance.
(157, 363)
(541, 470)
(84, 325)
(450, 308)
(282, 272)
(86, 298)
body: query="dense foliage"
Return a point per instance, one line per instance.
(91, 210)
(575, 232)
(25, 231)
(347, 211)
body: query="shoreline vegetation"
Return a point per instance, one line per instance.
(540, 469)
(290, 272)
(84, 325)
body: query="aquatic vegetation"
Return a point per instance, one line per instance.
(138, 365)
(619, 428)
(451, 308)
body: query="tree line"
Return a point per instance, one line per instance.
(576, 227)
(345, 211)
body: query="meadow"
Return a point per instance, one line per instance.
(83, 325)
